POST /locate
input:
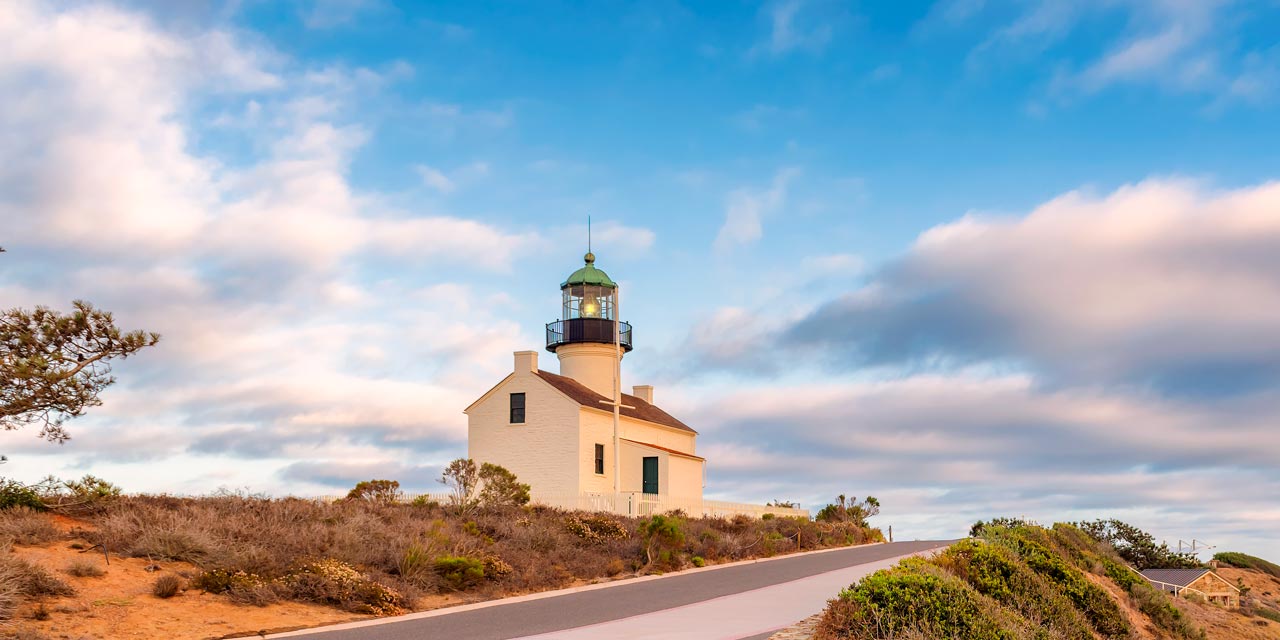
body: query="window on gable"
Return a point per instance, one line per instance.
(600, 459)
(517, 408)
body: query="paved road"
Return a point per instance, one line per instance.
(766, 590)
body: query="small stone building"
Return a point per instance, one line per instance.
(1202, 582)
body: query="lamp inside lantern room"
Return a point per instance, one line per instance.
(591, 307)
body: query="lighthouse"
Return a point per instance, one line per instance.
(574, 436)
(584, 339)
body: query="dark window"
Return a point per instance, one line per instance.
(600, 458)
(517, 408)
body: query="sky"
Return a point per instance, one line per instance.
(975, 258)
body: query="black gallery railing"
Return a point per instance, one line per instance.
(586, 330)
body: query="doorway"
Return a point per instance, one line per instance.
(651, 475)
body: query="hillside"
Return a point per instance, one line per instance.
(241, 564)
(1024, 581)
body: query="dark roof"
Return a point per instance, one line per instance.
(670, 451)
(584, 396)
(1179, 577)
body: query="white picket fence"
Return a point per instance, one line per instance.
(634, 503)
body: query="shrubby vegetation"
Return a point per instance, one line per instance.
(1013, 580)
(849, 510)
(374, 552)
(1137, 547)
(86, 495)
(1245, 561)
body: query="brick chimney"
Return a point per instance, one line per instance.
(644, 392)
(526, 361)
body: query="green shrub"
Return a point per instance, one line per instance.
(416, 565)
(661, 534)
(425, 501)
(913, 596)
(1138, 547)
(996, 571)
(381, 491)
(15, 494)
(1103, 613)
(460, 572)
(1245, 561)
(500, 488)
(1270, 614)
(698, 561)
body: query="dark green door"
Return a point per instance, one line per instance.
(651, 475)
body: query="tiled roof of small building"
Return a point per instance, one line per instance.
(584, 396)
(1179, 577)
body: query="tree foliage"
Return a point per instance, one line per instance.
(849, 510)
(384, 491)
(488, 486)
(53, 366)
(462, 477)
(500, 488)
(1137, 547)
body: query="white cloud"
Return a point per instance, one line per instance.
(792, 26)
(435, 178)
(446, 183)
(746, 209)
(278, 286)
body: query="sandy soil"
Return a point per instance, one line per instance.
(119, 604)
(1142, 627)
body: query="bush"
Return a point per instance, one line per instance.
(223, 580)
(381, 491)
(85, 569)
(1103, 613)
(595, 527)
(166, 586)
(1138, 547)
(995, 571)
(460, 572)
(416, 565)
(662, 534)
(911, 597)
(1245, 561)
(15, 494)
(333, 582)
(24, 525)
(31, 580)
(500, 488)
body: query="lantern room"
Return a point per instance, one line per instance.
(589, 306)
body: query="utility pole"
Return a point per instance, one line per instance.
(617, 390)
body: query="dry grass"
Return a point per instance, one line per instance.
(166, 586)
(22, 525)
(399, 550)
(85, 569)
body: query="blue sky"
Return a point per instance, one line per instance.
(977, 258)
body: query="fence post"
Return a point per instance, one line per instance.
(890, 533)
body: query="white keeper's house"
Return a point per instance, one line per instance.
(559, 432)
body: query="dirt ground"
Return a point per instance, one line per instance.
(119, 604)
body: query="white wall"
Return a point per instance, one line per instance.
(590, 363)
(543, 451)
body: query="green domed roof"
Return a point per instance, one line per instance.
(589, 274)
